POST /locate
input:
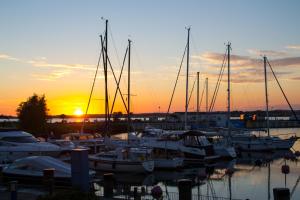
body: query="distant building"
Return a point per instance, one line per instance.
(202, 119)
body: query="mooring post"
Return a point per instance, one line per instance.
(80, 169)
(281, 194)
(48, 176)
(185, 189)
(13, 190)
(108, 185)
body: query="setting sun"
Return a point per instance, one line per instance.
(78, 112)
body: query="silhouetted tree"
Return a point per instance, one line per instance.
(32, 114)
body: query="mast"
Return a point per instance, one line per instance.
(187, 79)
(206, 85)
(228, 89)
(106, 82)
(128, 97)
(266, 94)
(197, 95)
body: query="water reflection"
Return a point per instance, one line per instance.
(251, 175)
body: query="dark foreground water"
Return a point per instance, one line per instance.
(251, 176)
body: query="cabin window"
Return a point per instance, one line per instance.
(23, 139)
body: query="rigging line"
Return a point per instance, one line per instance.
(104, 49)
(176, 79)
(192, 91)
(282, 91)
(106, 124)
(91, 93)
(112, 70)
(217, 84)
(212, 104)
(114, 44)
(118, 83)
(202, 94)
(194, 44)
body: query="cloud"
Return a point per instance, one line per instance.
(8, 57)
(296, 78)
(57, 74)
(295, 47)
(44, 63)
(257, 52)
(247, 69)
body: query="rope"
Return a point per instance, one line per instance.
(91, 93)
(114, 44)
(192, 91)
(176, 80)
(282, 91)
(202, 94)
(213, 101)
(118, 83)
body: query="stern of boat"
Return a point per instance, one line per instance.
(148, 165)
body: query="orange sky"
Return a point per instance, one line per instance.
(52, 48)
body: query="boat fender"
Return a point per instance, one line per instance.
(229, 171)
(156, 192)
(285, 169)
(142, 158)
(258, 162)
(297, 153)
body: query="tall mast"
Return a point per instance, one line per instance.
(106, 82)
(197, 94)
(266, 94)
(187, 79)
(206, 85)
(128, 97)
(228, 89)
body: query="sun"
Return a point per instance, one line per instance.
(78, 112)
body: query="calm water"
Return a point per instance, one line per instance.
(247, 181)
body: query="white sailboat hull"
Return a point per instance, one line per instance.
(121, 165)
(225, 152)
(164, 163)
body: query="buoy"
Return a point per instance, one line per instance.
(156, 192)
(209, 170)
(258, 162)
(229, 171)
(285, 169)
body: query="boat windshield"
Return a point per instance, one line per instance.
(21, 139)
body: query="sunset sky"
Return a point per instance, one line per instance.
(52, 47)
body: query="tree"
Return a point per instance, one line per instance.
(32, 114)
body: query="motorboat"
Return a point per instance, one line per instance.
(93, 142)
(135, 160)
(65, 145)
(16, 144)
(31, 170)
(222, 145)
(249, 141)
(193, 146)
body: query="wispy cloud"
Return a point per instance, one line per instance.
(296, 78)
(44, 63)
(8, 57)
(54, 75)
(296, 47)
(247, 68)
(271, 53)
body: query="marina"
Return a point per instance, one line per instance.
(219, 122)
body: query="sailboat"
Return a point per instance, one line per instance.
(250, 142)
(122, 159)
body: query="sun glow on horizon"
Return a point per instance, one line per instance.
(78, 112)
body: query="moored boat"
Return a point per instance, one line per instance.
(135, 160)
